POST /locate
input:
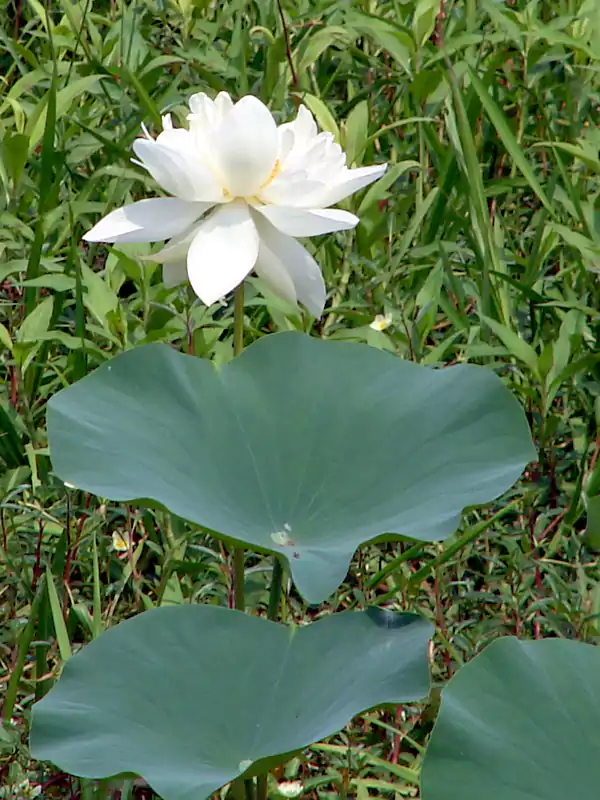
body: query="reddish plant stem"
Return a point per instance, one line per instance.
(399, 719)
(439, 612)
(288, 47)
(67, 565)
(4, 531)
(37, 567)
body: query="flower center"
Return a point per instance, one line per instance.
(254, 199)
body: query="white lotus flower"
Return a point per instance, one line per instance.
(242, 189)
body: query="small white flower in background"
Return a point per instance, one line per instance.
(119, 542)
(381, 322)
(290, 788)
(242, 189)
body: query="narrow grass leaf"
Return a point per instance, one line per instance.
(60, 628)
(356, 132)
(97, 590)
(36, 324)
(509, 140)
(47, 178)
(322, 114)
(397, 42)
(380, 188)
(517, 346)
(320, 41)
(56, 105)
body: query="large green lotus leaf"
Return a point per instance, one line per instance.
(191, 697)
(300, 446)
(519, 722)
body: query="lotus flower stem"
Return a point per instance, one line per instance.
(238, 320)
(275, 590)
(262, 787)
(242, 789)
(238, 346)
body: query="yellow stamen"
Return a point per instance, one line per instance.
(273, 175)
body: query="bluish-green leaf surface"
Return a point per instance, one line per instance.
(519, 722)
(190, 697)
(300, 446)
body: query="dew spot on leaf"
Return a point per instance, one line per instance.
(283, 538)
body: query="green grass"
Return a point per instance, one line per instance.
(483, 243)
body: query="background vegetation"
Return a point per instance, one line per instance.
(482, 244)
